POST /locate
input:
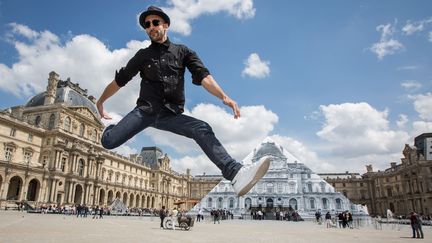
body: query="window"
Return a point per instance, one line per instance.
(210, 202)
(338, 203)
(51, 122)
(67, 124)
(280, 188)
(27, 156)
(292, 187)
(220, 202)
(310, 187)
(12, 132)
(231, 203)
(312, 203)
(30, 138)
(270, 188)
(325, 203)
(37, 120)
(8, 153)
(82, 129)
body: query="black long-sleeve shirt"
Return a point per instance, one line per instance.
(162, 68)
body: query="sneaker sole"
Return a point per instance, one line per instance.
(261, 171)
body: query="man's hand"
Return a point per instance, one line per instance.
(102, 113)
(231, 103)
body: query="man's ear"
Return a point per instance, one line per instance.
(165, 25)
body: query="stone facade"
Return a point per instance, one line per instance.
(402, 188)
(50, 153)
(287, 184)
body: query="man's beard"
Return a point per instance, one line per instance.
(158, 36)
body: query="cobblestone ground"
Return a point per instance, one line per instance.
(45, 228)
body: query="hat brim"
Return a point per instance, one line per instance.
(163, 15)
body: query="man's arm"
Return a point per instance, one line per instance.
(212, 87)
(109, 91)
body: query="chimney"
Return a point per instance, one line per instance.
(393, 164)
(369, 168)
(51, 88)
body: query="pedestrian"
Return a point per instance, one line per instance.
(101, 211)
(414, 220)
(174, 218)
(162, 98)
(328, 220)
(162, 215)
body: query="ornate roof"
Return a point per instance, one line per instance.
(68, 93)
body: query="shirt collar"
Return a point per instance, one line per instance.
(165, 44)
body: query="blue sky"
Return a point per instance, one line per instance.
(339, 84)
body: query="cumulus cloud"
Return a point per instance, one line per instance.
(197, 164)
(403, 119)
(235, 134)
(183, 12)
(357, 129)
(423, 105)
(411, 85)
(416, 26)
(84, 58)
(386, 45)
(255, 67)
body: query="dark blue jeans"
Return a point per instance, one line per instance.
(138, 120)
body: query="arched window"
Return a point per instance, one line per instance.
(325, 203)
(338, 203)
(82, 129)
(231, 203)
(220, 202)
(37, 120)
(51, 122)
(67, 124)
(310, 187)
(312, 203)
(209, 202)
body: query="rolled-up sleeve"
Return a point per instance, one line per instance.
(195, 66)
(125, 74)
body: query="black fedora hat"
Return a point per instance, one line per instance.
(156, 11)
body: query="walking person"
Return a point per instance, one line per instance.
(162, 215)
(415, 225)
(161, 100)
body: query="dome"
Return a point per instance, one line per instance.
(268, 148)
(67, 95)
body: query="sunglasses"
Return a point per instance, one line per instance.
(155, 22)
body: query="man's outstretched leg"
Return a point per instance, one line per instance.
(243, 178)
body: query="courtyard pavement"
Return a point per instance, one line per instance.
(46, 228)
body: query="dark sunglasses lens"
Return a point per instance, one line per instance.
(155, 22)
(147, 24)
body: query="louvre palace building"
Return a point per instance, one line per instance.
(401, 188)
(50, 153)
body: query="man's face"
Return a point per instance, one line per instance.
(156, 33)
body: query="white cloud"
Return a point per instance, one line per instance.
(430, 36)
(84, 58)
(412, 67)
(403, 119)
(183, 12)
(125, 150)
(357, 129)
(386, 45)
(255, 67)
(417, 26)
(411, 84)
(423, 105)
(238, 136)
(197, 164)
(420, 127)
